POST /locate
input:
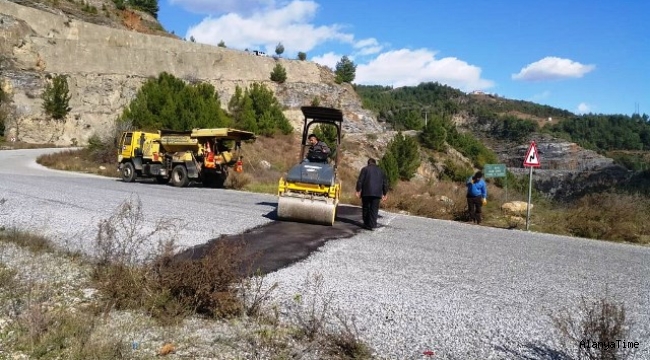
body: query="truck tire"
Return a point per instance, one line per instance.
(179, 176)
(128, 172)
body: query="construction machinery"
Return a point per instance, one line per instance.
(310, 190)
(179, 157)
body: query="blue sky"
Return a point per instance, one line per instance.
(582, 56)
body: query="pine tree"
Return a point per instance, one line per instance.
(345, 70)
(168, 102)
(279, 74)
(434, 135)
(56, 97)
(279, 49)
(389, 165)
(149, 6)
(406, 151)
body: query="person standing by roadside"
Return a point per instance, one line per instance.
(476, 196)
(372, 187)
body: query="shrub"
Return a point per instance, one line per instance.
(56, 97)
(345, 70)
(302, 56)
(406, 151)
(257, 109)
(600, 321)
(279, 74)
(390, 167)
(279, 49)
(168, 102)
(611, 216)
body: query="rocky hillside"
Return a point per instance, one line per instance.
(106, 65)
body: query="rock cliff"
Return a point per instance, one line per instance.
(106, 67)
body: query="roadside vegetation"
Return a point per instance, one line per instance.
(60, 303)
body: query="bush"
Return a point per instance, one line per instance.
(600, 321)
(279, 74)
(610, 216)
(345, 70)
(167, 102)
(302, 56)
(56, 97)
(406, 151)
(390, 167)
(163, 284)
(257, 109)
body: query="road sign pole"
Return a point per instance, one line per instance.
(530, 188)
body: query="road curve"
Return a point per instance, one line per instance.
(416, 284)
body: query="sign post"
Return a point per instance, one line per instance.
(494, 171)
(531, 160)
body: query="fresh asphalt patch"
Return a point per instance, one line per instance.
(276, 245)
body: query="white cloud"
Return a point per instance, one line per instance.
(262, 24)
(330, 59)
(410, 67)
(223, 6)
(264, 30)
(583, 108)
(552, 68)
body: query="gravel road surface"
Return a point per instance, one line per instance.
(459, 290)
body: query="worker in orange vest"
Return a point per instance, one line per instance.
(239, 165)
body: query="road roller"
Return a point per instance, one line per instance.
(309, 192)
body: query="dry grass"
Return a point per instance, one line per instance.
(79, 161)
(601, 321)
(35, 243)
(166, 287)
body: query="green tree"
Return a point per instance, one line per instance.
(389, 165)
(279, 74)
(148, 6)
(279, 49)
(257, 109)
(241, 109)
(434, 135)
(167, 102)
(345, 70)
(302, 56)
(119, 4)
(56, 97)
(406, 151)
(221, 44)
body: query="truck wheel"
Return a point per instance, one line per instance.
(179, 176)
(128, 172)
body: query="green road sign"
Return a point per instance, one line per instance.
(494, 170)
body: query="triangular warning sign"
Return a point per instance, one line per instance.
(532, 159)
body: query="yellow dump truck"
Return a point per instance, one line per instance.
(179, 157)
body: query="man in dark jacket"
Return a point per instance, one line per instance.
(318, 150)
(372, 187)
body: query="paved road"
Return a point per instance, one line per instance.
(462, 291)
